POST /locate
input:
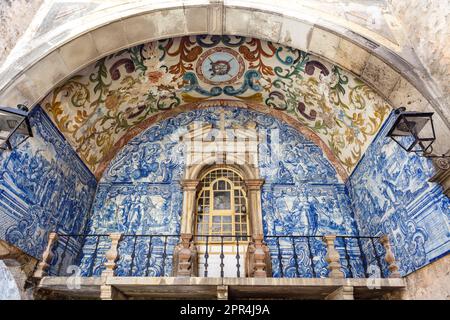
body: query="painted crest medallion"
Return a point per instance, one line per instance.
(220, 65)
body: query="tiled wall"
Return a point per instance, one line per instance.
(140, 192)
(44, 186)
(391, 195)
(302, 195)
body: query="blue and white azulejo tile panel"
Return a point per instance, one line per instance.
(139, 192)
(391, 195)
(44, 187)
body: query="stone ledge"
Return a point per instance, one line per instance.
(206, 288)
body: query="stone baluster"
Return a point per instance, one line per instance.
(259, 257)
(47, 256)
(390, 258)
(112, 255)
(185, 256)
(332, 257)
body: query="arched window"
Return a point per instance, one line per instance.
(222, 204)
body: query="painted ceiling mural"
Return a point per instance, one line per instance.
(102, 103)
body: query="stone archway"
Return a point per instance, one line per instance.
(379, 62)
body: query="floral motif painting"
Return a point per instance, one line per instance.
(105, 101)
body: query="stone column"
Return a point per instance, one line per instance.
(389, 257)
(332, 257)
(112, 255)
(47, 256)
(187, 218)
(254, 203)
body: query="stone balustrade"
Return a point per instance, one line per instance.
(250, 256)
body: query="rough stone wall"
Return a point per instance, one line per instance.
(427, 25)
(19, 273)
(15, 17)
(431, 282)
(428, 283)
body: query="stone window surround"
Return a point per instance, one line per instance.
(253, 184)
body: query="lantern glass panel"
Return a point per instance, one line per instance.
(406, 142)
(14, 127)
(414, 131)
(8, 122)
(422, 127)
(402, 128)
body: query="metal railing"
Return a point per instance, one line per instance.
(68, 254)
(293, 256)
(146, 255)
(207, 248)
(89, 259)
(304, 256)
(289, 256)
(363, 256)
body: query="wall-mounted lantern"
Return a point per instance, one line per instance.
(414, 132)
(14, 122)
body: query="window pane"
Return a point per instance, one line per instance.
(226, 219)
(216, 228)
(222, 200)
(222, 193)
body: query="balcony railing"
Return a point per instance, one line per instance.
(164, 255)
